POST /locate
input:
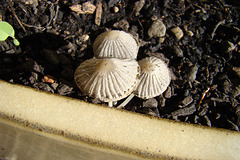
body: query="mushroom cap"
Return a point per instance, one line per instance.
(108, 79)
(154, 78)
(115, 44)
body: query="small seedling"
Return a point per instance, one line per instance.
(7, 30)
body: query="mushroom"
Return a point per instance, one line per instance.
(107, 79)
(115, 44)
(154, 79)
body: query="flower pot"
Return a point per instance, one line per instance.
(40, 125)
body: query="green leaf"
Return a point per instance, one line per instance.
(16, 42)
(3, 36)
(6, 30)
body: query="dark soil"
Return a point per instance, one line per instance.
(205, 62)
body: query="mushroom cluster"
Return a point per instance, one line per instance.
(113, 73)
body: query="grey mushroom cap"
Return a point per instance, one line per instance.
(115, 44)
(154, 78)
(107, 79)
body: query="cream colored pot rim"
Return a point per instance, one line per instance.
(112, 128)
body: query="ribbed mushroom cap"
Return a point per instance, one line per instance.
(154, 78)
(115, 44)
(108, 79)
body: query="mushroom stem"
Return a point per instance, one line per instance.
(110, 103)
(114, 103)
(126, 101)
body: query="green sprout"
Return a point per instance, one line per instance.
(7, 30)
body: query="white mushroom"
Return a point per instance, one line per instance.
(108, 79)
(115, 44)
(154, 78)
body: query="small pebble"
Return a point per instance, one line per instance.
(172, 74)
(111, 3)
(188, 32)
(134, 29)
(196, 118)
(207, 121)
(162, 101)
(217, 99)
(122, 24)
(237, 71)
(186, 101)
(201, 30)
(177, 32)
(64, 89)
(70, 47)
(66, 32)
(31, 65)
(203, 110)
(43, 86)
(148, 111)
(138, 6)
(236, 91)
(227, 86)
(33, 78)
(168, 92)
(191, 73)
(161, 39)
(177, 51)
(228, 46)
(54, 85)
(151, 103)
(44, 20)
(184, 111)
(154, 18)
(157, 29)
(186, 92)
(4, 46)
(115, 9)
(85, 8)
(85, 37)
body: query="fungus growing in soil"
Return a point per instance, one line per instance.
(154, 79)
(115, 44)
(108, 79)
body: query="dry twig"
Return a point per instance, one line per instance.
(10, 8)
(98, 14)
(215, 28)
(204, 94)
